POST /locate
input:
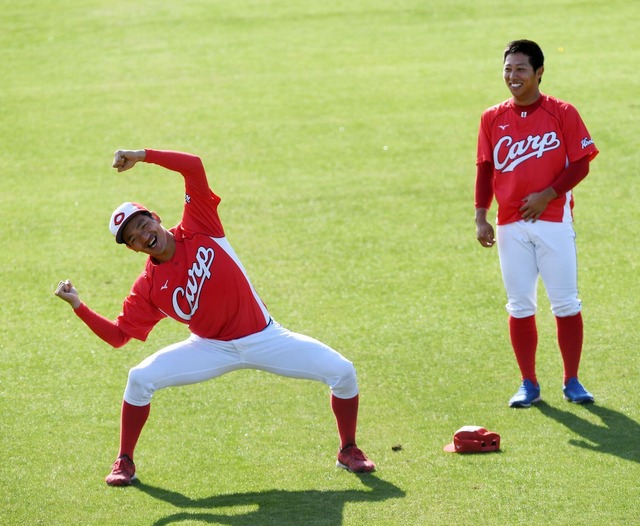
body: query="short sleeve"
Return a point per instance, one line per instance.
(578, 141)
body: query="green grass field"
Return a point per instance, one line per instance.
(341, 136)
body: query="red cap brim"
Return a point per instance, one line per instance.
(450, 448)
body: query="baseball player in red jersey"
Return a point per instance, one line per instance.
(533, 149)
(193, 276)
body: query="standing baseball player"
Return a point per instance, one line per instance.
(193, 276)
(533, 149)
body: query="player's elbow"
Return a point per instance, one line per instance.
(118, 340)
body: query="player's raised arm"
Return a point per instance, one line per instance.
(188, 164)
(126, 159)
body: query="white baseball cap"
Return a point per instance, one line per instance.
(121, 217)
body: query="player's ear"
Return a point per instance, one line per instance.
(156, 217)
(539, 73)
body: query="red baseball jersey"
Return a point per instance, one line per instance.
(529, 147)
(204, 285)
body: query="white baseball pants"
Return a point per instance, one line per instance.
(275, 349)
(544, 248)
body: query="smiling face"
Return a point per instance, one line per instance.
(144, 233)
(521, 79)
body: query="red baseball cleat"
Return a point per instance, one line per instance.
(353, 459)
(123, 472)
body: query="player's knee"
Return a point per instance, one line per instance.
(521, 309)
(346, 381)
(140, 387)
(347, 372)
(566, 308)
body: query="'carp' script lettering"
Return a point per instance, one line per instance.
(508, 154)
(199, 272)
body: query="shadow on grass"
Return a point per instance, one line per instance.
(277, 507)
(618, 434)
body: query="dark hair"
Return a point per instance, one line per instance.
(528, 48)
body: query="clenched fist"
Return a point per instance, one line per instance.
(68, 293)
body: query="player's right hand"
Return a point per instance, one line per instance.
(485, 234)
(126, 159)
(66, 291)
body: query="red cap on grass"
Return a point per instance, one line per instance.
(473, 439)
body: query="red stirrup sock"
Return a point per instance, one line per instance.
(524, 340)
(570, 338)
(346, 413)
(132, 420)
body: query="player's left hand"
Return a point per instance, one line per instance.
(535, 203)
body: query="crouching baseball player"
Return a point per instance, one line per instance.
(194, 276)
